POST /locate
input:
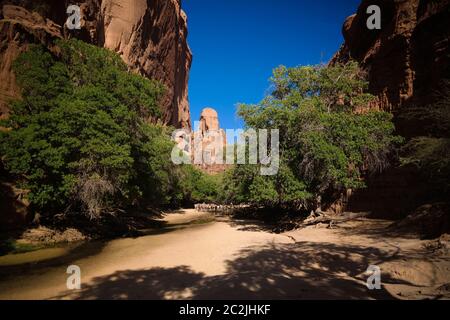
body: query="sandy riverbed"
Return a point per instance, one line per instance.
(237, 260)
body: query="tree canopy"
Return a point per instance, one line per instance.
(327, 144)
(82, 136)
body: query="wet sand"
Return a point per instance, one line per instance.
(199, 258)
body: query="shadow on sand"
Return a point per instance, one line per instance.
(303, 270)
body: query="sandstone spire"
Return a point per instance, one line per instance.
(209, 142)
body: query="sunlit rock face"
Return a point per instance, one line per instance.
(408, 57)
(209, 142)
(209, 120)
(149, 35)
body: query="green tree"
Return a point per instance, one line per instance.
(199, 187)
(327, 145)
(430, 151)
(80, 138)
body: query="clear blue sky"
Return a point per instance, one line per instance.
(237, 43)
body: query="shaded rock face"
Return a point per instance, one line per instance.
(405, 62)
(408, 57)
(18, 28)
(13, 207)
(430, 221)
(150, 36)
(395, 193)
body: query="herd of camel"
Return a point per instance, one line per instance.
(218, 207)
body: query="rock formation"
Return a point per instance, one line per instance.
(209, 142)
(150, 36)
(13, 206)
(405, 61)
(209, 120)
(18, 28)
(408, 57)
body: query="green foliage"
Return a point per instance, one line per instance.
(11, 246)
(199, 187)
(326, 143)
(79, 137)
(432, 119)
(244, 184)
(431, 153)
(432, 156)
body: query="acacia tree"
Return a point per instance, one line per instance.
(325, 145)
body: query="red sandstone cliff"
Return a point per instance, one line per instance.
(405, 61)
(150, 35)
(408, 57)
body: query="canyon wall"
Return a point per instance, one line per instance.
(406, 61)
(408, 57)
(150, 36)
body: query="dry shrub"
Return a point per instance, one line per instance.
(93, 192)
